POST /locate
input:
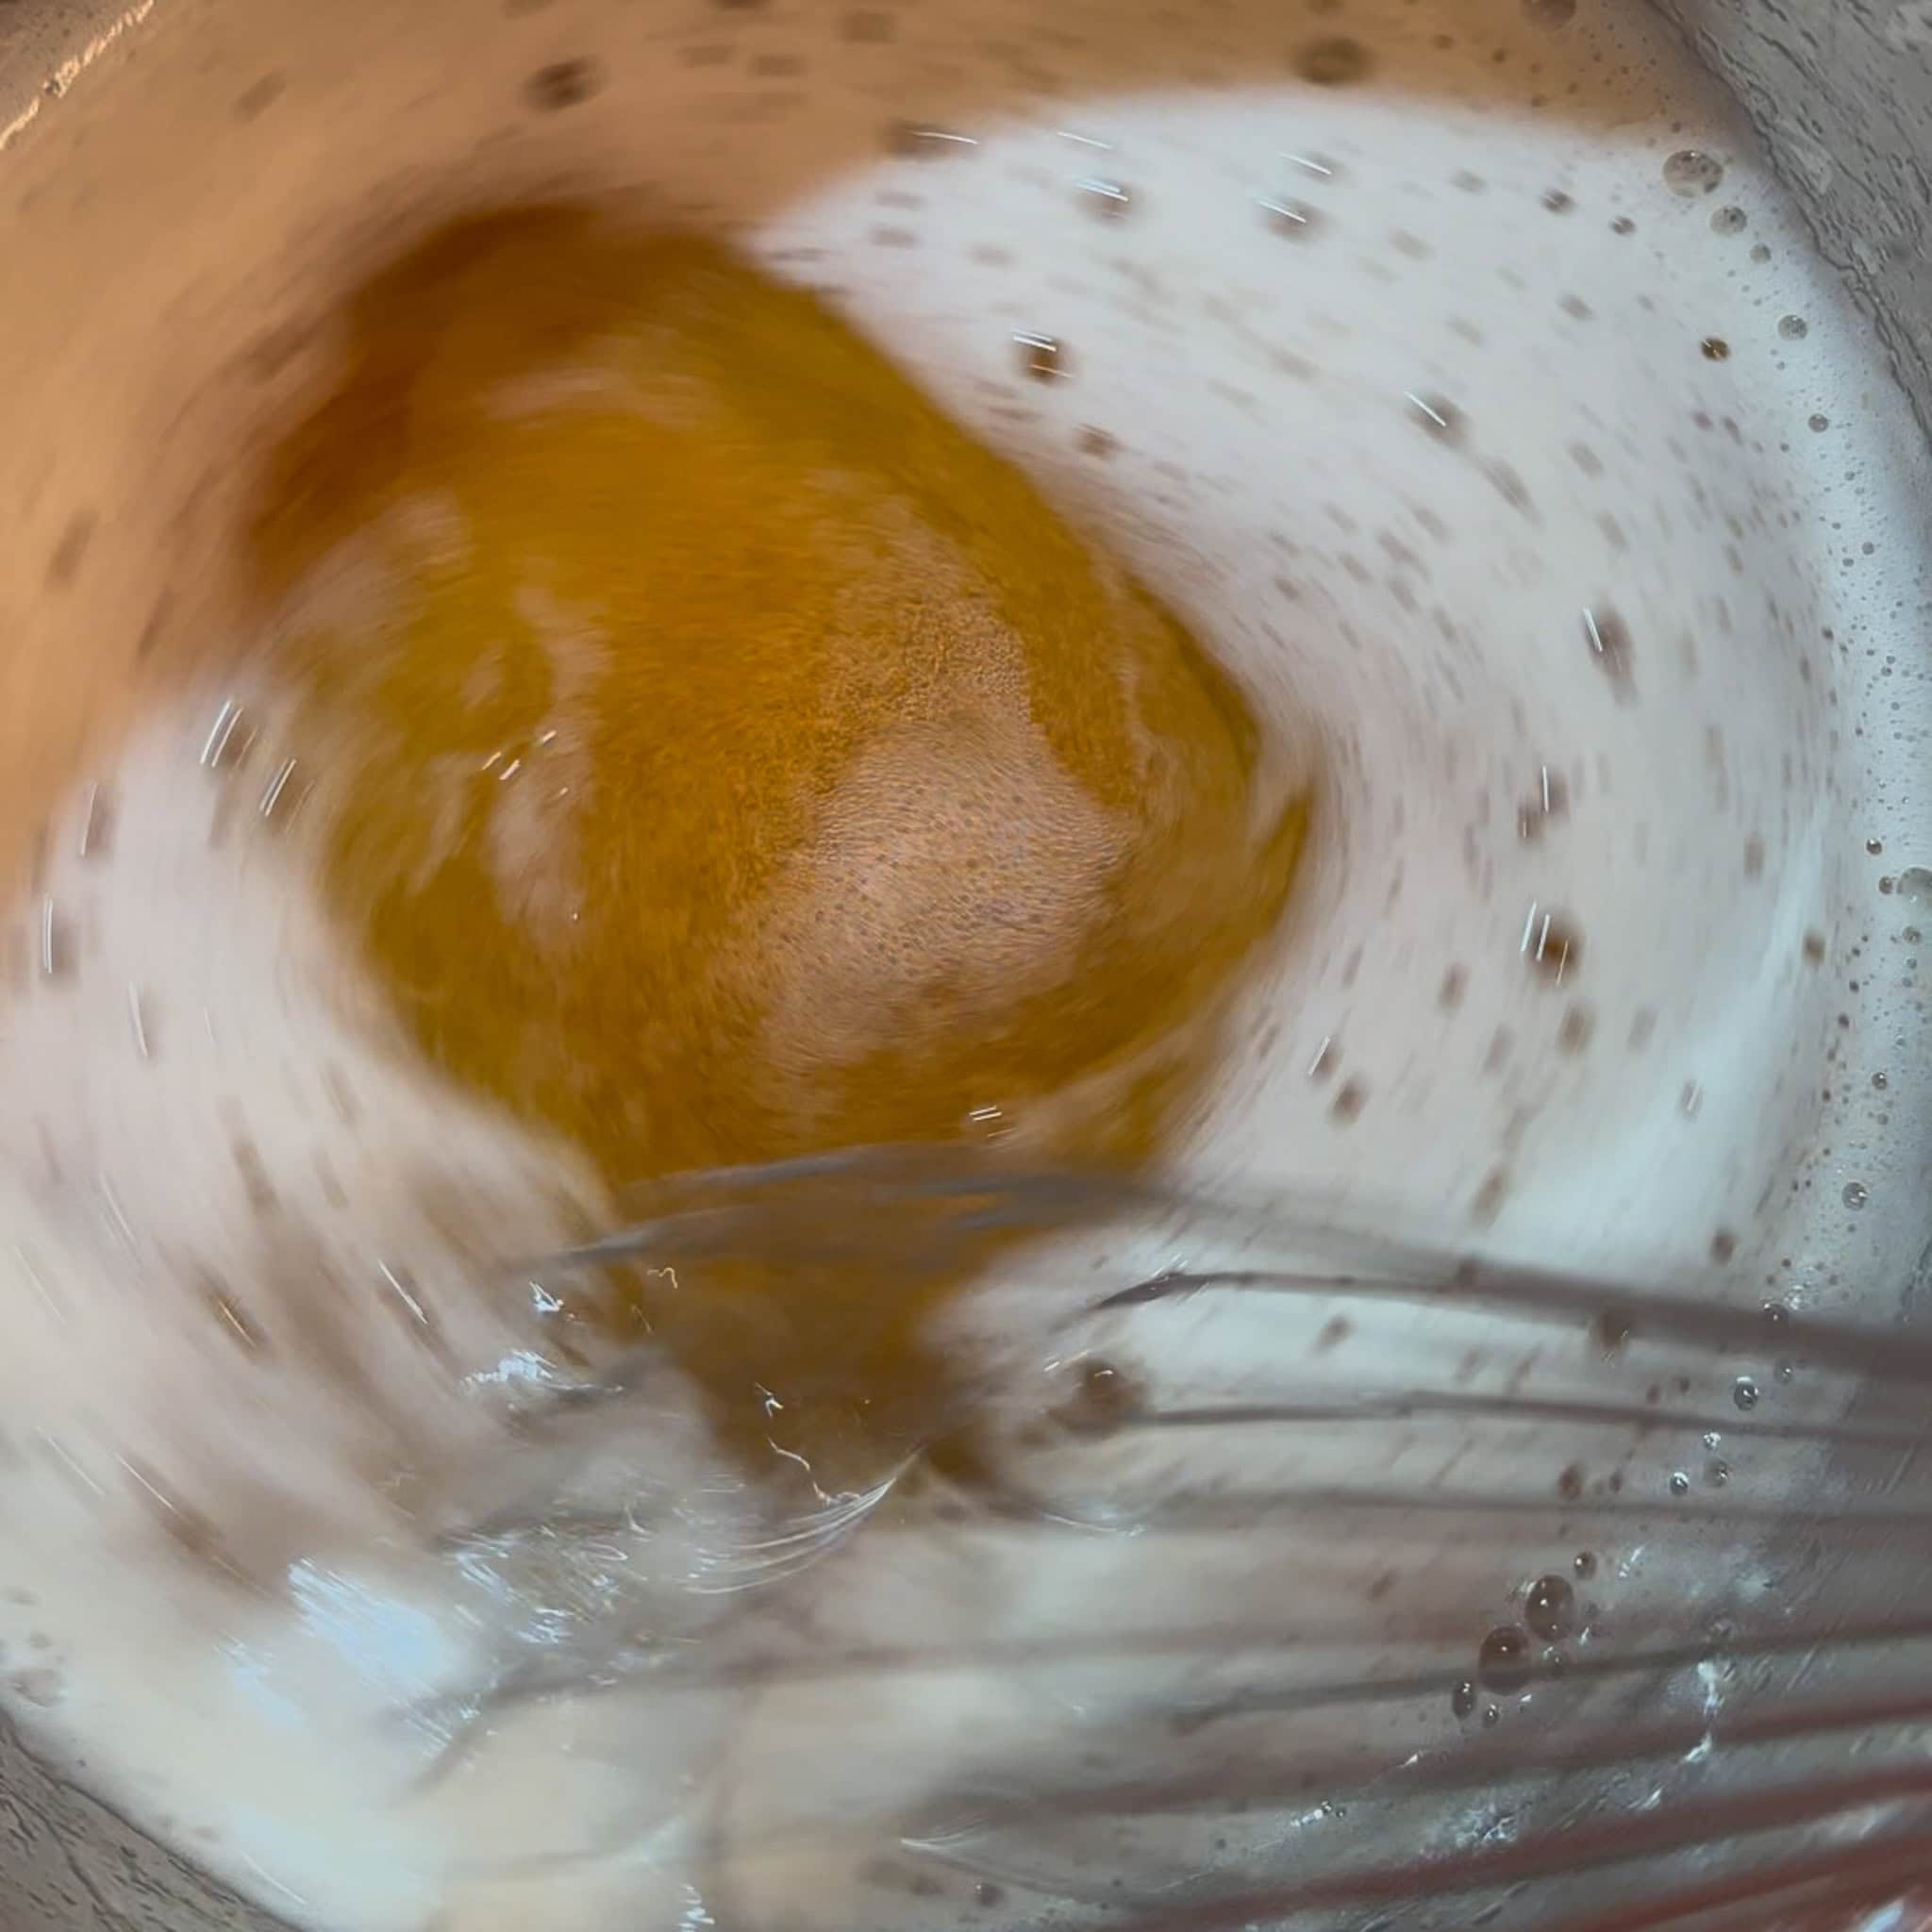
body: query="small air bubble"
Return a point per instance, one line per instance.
(1348, 1103)
(277, 791)
(1914, 885)
(1744, 1392)
(228, 738)
(1438, 416)
(1818, 424)
(1550, 943)
(1104, 197)
(1584, 1563)
(918, 142)
(1794, 328)
(1550, 1607)
(1623, 224)
(97, 824)
(1855, 1195)
(1728, 221)
(1335, 61)
(1557, 202)
(1042, 356)
(1286, 217)
(1503, 1662)
(1690, 172)
(1608, 639)
(562, 84)
(1715, 349)
(1463, 1699)
(1549, 14)
(1680, 1483)
(1102, 1399)
(56, 949)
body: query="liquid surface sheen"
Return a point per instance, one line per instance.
(724, 757)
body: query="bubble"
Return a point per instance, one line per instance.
(1728, 221)
(1855, 1195)
(1504, 1663)
(1334, 61)
(1463, 1699)
(1549, 14)
(562, 84)
(1440, 417)
(1794, 328)
(1623, 224)
(1744, 1392)
(1608, 639)
(1818, 422)
(1550, 1607)
(1584, 1563)
(1690, 172)
(1680, 1483)
(1914, 885)
(1557, 202)
(1042, 356)
(1102, 1398)
(915, 140)
(1551, 944)
(1286, 217)
(1110, 198)
(1715, 349)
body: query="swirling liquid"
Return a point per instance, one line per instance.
(1477, 440)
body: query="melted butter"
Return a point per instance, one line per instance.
(729, 759)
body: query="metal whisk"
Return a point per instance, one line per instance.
(1330, 1580)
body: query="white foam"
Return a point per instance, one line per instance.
(1421, 596)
